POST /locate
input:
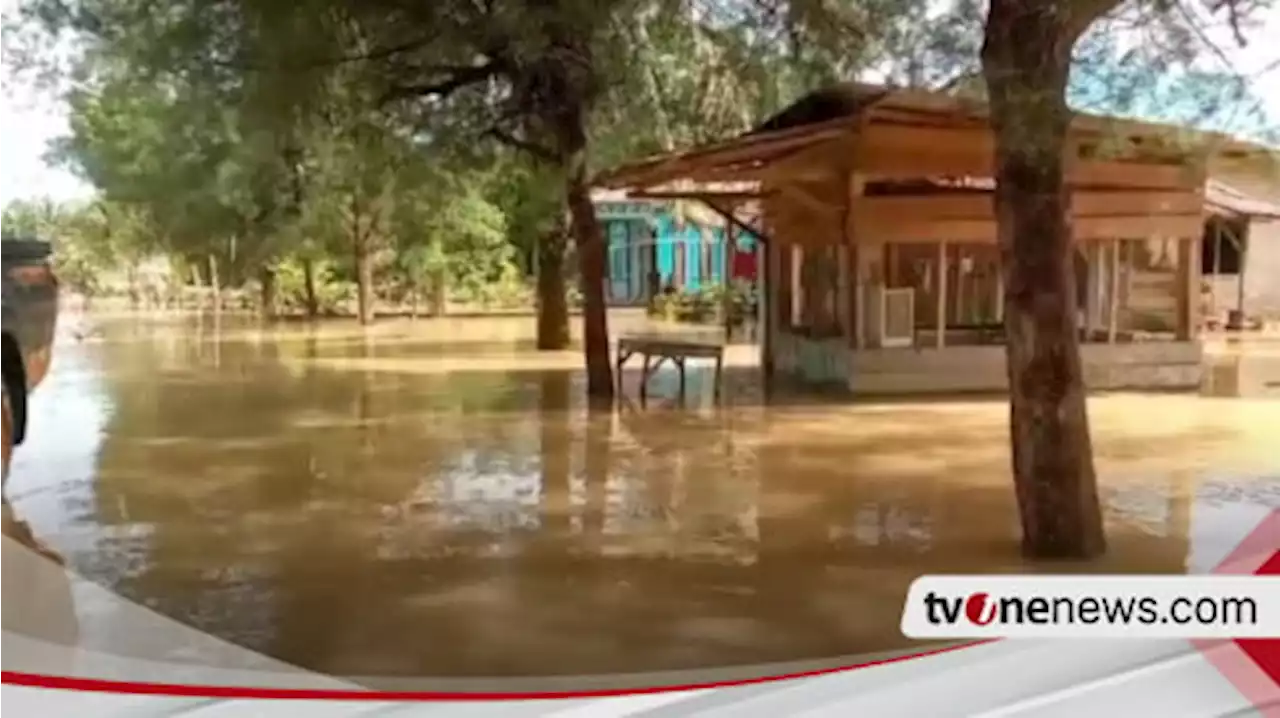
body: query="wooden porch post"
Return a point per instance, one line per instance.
(999, 291)
(797, 286)
(1242, 248)
(860, 292)
(940, 337)
(1217, 266)
(856, 262)
(767, 276)
(1113, 299)
(726, 284)
(1187, 286)
(843, 308)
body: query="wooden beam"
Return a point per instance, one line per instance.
(1085, 203)
(1094, 228)
(824, 161)
(908, 230)
(810, 200)
(728, 214)
(901, 138)
(980, 205)
(700, 195)
(1133, 175)
(957, 206)
(741, 150)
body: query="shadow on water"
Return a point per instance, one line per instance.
(378, 507)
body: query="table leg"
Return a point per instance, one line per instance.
(644, 379)
(680, 366)
(719, 373)
(623, 356)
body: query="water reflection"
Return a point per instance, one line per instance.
(1254, 372)
(393, 505)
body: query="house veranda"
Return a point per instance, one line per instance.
(879, 259)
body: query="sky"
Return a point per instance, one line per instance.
(31, 119)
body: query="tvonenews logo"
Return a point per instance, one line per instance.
(1101, 606)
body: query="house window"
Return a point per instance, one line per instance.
(1217, 250)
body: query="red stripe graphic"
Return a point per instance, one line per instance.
(97, 685)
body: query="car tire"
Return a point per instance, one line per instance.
(7, 433)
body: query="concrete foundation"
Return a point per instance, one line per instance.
(1108, 367)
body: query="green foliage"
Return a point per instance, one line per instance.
(706, 304)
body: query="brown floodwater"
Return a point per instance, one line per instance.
(432, 498)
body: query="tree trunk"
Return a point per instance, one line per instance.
(135, 293)
(215, 288)
(553, 304)
(1026, 60)
(267, 277)
(591, 258)
(570, 69)
(311, 299)
(364, 281)
(439, 293)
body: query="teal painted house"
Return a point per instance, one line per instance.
(651, 245)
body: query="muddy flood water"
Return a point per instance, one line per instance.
(431, 499)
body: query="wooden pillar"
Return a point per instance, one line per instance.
(1217, 266)
(940, 336)
(1187, 289)
(1094, 258)
(871, 280)
(842, 294)
(856, 261)
(1113, 299)
(726, 300)
(797, 286)
(999, 290)
(767, 276)
(1242, 248)
(860, 299)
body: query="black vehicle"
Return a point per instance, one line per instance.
(30, 305)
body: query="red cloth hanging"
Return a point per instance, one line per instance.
(745, 264)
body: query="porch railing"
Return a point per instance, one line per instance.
(897, 317)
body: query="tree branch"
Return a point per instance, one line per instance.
(538, 151)
(457, 78)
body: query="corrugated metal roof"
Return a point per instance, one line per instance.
(1225, 198)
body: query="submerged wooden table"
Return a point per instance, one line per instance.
(675, 350)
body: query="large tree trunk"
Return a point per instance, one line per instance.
(364, 281)
(267, 278)
(310, 297)
(568, 79)
(591, 257)
(439, 293)
(553, 304)
(1026, 60)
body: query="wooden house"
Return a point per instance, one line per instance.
(1240, 254)
(879, 240)
(654, 243)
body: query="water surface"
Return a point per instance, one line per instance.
(431, 498)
